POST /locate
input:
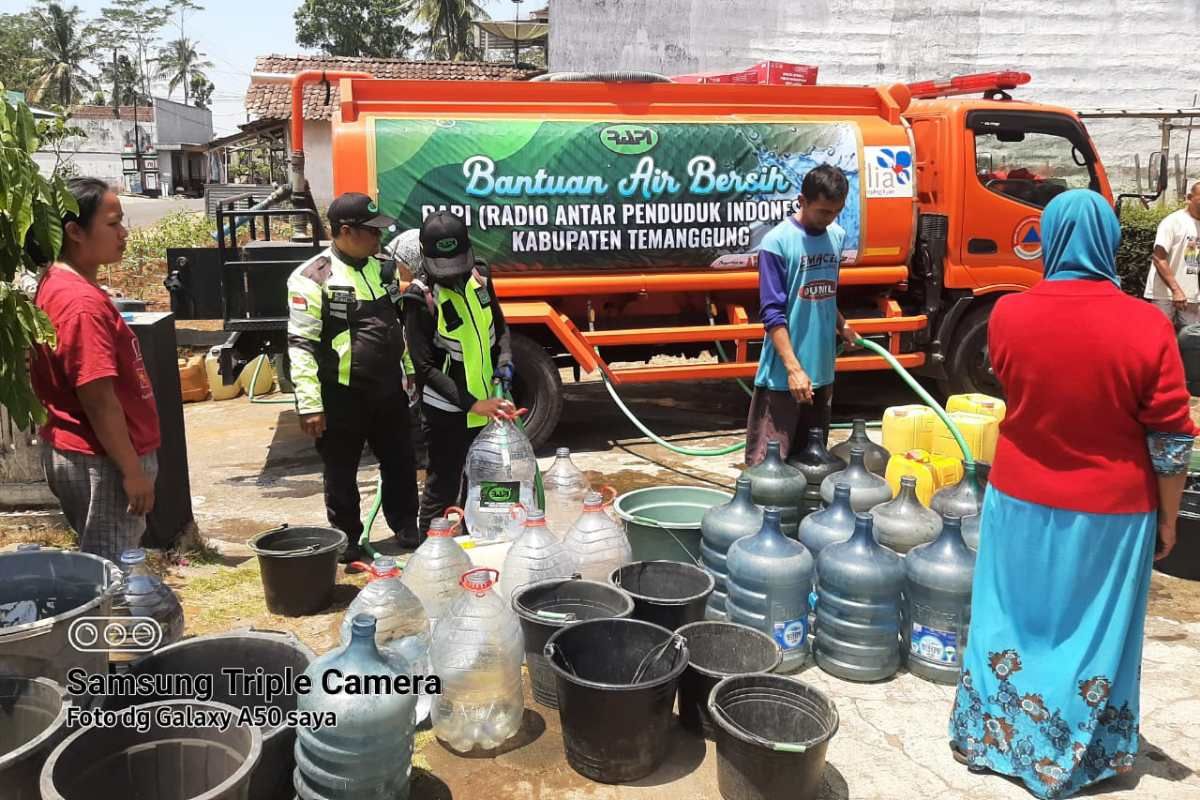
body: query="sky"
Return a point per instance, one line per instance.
(231, 33)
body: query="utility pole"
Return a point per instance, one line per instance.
(116, 86)
(516, 33)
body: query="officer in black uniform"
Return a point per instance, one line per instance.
(346, 346)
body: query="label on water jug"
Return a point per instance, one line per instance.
(791, 634)
(499, 494)
(931, 644)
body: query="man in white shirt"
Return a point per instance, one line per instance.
(1174, 280)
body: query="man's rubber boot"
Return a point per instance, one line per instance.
(409, 538)
(353, 553)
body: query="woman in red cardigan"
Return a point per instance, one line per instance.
(1088, 473)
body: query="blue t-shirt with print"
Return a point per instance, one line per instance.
(798, 280)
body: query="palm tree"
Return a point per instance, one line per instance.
(448, 25)
(65, 44)
(179, 63)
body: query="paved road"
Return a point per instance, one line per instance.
(142, 212)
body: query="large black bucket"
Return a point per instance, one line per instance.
(717, 650)
(33, 720)
(616, 681)
(546, 606)
(667, 593)
(179, 762)
(772, 733)
(273, 653)
(299, 568)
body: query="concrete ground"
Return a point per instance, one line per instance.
(142, 212)
(251, 469)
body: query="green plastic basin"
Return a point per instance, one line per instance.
(663, 522)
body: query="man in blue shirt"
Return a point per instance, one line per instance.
(797, 283)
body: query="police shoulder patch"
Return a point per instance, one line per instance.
(318, 270)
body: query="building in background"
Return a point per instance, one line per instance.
(1089, 55)
(526, 39)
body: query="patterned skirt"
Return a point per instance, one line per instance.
(1052, 667)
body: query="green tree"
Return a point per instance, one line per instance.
(124, 80)
(53, 135)
(18, 40)
(179, 63)
(64, 46)
(31, 207)
(202, 91)
(447, 26)
(135, 23)
(369, 28)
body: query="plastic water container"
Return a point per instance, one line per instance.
(434, 569)
(859, 586)
(145, 595)
(477, 653)
(401, 625)
(216, 386)
(970, 531)
(817, 464)
(770, 577)
(193, 380)
(980, 432)
(867, 489)
(565, 486)
(874, 456)
(938, 604)
(774, 482)
(903, 523)
(829, 525)
(500, 474)
(983, 404)
(597, 544)
(369, 752)
(908, 428)
(536, 555)
(931, 472)
(720, 527)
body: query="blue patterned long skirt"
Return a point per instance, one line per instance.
(1052, 667)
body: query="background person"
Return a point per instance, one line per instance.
(1174, 280)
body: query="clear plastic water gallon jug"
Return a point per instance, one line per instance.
(369, 752)
(903, 523)
(146, 598)
(402, 627)
(938, 604)
(770, 577)
(565, 486)
(500, 474)
(434, 569)
(596, 543)
(867, 489)
(875, 457)
(829, 525)
(536, 555)
(720, 527)
(477, 654)
(859, 586)
(963, 498)
(776, 483)
(970, 531)
(817, 464)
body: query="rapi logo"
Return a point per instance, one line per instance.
(628, 139)
(818, 290)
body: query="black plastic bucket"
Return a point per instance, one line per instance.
(772, 732)
(616, 681)
(546, 606)
(33, 720)
(717, 650)
(299, 568)
(667, 593)
(273, 653)
(179, 762)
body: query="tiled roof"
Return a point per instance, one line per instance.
(273, 101)
(144, 113)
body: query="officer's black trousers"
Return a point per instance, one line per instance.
(354, 418)
(448, 439)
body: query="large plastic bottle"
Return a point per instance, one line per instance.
(773, 482)
(369, 752)
(874, 456)
(770, 577)
(859, 585)
(903, 523)
(477, 654)
(970, 531)
(720, 527)
(146, 596)
(867, 489)
(938, 604)
(402, 627)
(963, 498)
(817, 464)
(536, 555)
(565, 486)
(596, 543)
(829, 525)
(434, 569)
(500, 474)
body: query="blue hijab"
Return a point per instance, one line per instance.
(1080, 234)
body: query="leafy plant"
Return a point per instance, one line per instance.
(31, 210)
(53, 135)
(143, 267)
(369, 28)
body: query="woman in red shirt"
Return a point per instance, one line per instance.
(102, 431)
(1090, 467)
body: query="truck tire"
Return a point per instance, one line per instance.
(537, 387)
(969, 367)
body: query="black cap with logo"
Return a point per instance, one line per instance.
(357, 210)
(446, 247)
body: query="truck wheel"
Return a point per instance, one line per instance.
(970, 367)
(537, 387)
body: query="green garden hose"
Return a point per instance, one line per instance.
(260, 360)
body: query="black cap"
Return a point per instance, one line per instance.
(446, 246)
(359, 210)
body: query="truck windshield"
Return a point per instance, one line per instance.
(1031, 157)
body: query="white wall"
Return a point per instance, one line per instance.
(1129, 53)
